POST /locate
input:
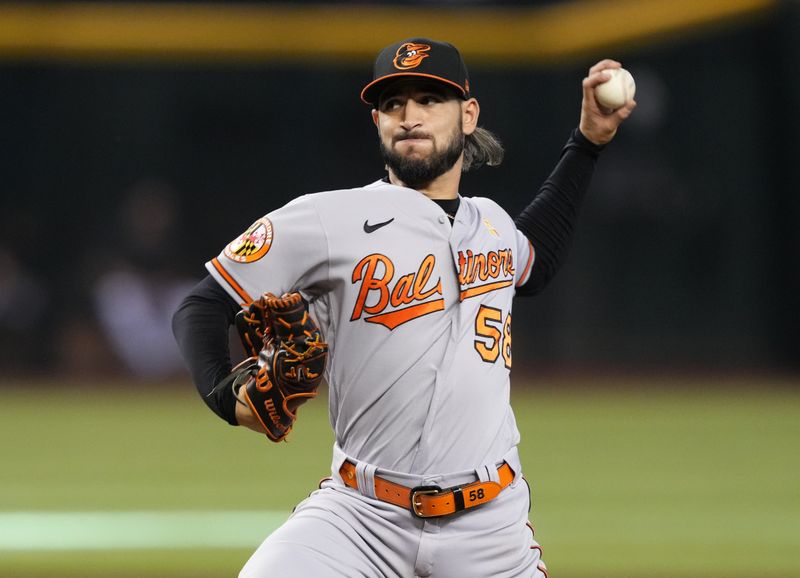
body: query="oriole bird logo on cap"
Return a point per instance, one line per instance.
(410, 55)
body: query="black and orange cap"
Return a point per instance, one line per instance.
(420, 57)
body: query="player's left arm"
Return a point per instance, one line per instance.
(200, 325)
(548, 222)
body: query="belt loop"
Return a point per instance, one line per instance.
(487, 473)
(339, 458)
(494, 474)
(512, 459)
(365, 476)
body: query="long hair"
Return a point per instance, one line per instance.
(481, 147)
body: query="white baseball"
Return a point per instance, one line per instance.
(617, 90)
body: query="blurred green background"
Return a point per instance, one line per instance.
(639, 478)
(656, 380)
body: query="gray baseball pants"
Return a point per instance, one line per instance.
(338, 532)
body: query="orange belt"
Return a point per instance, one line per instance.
(433, 501)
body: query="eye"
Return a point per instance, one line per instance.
(390, 104)
(430, 99)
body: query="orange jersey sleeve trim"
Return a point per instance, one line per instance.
(243, 295)
(524, 276)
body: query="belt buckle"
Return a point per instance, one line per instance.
(422, 491)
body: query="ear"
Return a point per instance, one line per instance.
(375, 116)
(470, 111)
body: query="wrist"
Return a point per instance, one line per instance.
(580, 142)
(246, 418)
(584, 141)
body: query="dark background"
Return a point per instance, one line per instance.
(687, 251)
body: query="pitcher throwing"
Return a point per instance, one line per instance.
(411, 288)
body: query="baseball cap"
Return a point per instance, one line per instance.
(420, 57)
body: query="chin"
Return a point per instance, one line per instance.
(414, 151)
(415, 155)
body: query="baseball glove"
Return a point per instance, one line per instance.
(287, 360)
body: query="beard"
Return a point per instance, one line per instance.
(415, 173)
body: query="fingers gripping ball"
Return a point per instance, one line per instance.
(617, 90)
(289, 366)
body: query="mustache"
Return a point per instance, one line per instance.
(411, 134)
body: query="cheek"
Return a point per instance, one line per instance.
(384, 129)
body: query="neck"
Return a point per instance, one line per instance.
(444, 186)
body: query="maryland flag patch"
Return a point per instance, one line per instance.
(253, 244)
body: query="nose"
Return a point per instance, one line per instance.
(412, 115)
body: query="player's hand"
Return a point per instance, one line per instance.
(598, 124)
(245, 417)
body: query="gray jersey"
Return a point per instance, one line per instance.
(417, 314)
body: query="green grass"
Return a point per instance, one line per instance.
(639, 480)
(650, 483)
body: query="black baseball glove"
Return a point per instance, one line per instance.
(286, 363)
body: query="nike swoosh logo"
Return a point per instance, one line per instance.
(372, 228)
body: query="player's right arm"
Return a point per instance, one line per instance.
(548, 222)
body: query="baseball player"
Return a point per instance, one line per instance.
(411, 286)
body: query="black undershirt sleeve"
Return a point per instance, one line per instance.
(200, 325)
(549, 220)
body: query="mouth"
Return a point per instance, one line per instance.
(412, 138)
(413, 141)
(413, 145)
